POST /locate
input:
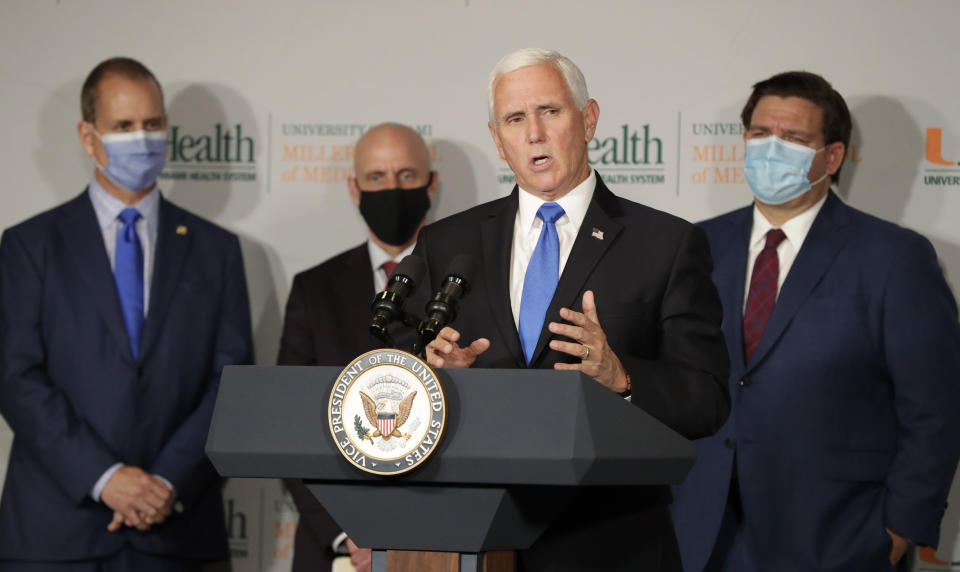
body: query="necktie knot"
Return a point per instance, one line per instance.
(550, 212)
(389, 267)
(129, 215)
(774, 237)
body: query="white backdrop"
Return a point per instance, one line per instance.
(266, 99)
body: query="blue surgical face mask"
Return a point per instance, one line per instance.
(777, 170)
(134, 159)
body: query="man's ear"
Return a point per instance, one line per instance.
(591, 115)
(354, 191)
(432, 189)
(835, 154)
(87, 137)
(496, 140)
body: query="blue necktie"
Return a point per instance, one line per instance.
(128, 273)
(540, 282)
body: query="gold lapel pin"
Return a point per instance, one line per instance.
(181, 230)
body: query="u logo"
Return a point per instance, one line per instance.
(934, 148)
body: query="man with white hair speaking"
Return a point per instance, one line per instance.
(572, 277)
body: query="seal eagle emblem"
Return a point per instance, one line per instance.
(387, 412)
(388, 423)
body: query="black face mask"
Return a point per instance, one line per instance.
(395, 214)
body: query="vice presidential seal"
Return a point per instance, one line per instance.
(387, 412)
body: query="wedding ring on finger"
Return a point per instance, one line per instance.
(586, 356)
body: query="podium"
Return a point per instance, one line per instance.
(518, 446)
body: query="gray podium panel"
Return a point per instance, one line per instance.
(505, 427)
(519, 447)
(444, 519)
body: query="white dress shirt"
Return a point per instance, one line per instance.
(527, 227)
(795, 229)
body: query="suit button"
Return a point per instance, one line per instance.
(744, 382)
(729, 443)
(140, 373)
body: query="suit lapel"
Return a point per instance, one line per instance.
(730, 277)
(586, 253)
(173, 241)
(83, 240)
(826, 238)
(497, 234)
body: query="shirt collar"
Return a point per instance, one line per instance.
(795, 229)
(574, 203)
(378, 255)
(108, 207)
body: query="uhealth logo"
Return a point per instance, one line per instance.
(223, 153)
(631, 156)
(945, 173)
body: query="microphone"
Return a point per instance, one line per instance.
(442, 307)
(387, 306)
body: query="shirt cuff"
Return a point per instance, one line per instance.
(338, 543)
(168, 483)
(102, 481)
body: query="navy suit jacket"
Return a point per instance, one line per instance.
(650, 272)
(77, 400)
(844, 423)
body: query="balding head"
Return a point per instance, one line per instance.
(392, 184)
(391, 156)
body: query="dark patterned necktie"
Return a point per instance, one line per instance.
(763, 292)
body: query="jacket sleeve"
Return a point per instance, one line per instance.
(685, 387)
(45, 423)
(921, 344)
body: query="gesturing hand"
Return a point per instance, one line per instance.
(597, 357)
(443, 351)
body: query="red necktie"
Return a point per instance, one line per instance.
(763, 292)
(388, 267)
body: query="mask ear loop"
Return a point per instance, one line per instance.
(820, 179)
(96, 163)
(825, 175)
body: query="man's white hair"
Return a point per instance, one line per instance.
(535, 56)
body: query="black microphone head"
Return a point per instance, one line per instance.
(462, 267)
(412, 267)
(442, 307)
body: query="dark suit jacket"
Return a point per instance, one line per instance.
(650, 273)
(77, 400)
(844, 422)
(325, 324)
